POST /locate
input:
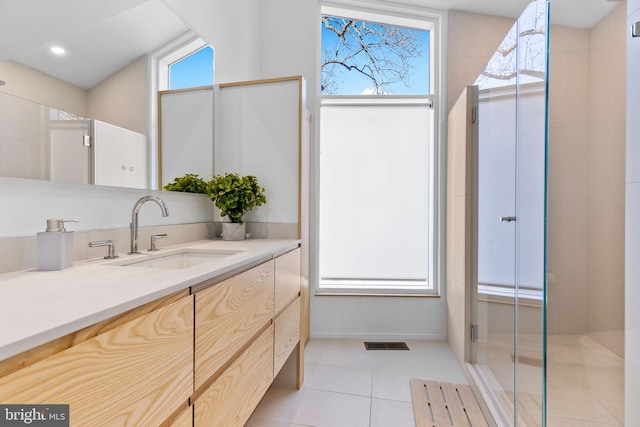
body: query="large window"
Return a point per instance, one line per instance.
(376, 202)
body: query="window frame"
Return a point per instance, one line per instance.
(435, 22)
(176, 54)
(158, 69)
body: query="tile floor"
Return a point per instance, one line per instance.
(585, 382)
(346, 385)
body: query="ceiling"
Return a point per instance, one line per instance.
(101, 37)
(572, 13)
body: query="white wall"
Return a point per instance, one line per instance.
(297, 39)
(121, 99)
(26, 205)
(267, 48)
(250, 42)
(377, 318)
(233, 29)
(42, 88)
(632, 232)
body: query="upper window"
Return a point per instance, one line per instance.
(368, 58)
(186, 64)
(193, 70)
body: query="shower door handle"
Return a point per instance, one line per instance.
(507, 218)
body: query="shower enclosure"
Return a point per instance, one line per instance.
(545, 307)
(507, 308)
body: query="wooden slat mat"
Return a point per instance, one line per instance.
(437, 404)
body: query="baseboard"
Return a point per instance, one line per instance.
(378, 337)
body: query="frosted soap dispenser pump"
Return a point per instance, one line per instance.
(55, 246)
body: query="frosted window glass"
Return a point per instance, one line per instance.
(374, 192)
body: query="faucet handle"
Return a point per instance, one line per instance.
(110, 243)
(154, 238)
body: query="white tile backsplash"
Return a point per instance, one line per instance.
(20, 253)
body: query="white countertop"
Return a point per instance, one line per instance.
(38, 306)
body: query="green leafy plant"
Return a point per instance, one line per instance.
(190, 183)
(235, 195)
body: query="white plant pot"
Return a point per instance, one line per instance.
(233, 231)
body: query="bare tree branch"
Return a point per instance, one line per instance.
(509, 76)
(381, 53)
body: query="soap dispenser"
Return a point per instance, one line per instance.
(55, 246)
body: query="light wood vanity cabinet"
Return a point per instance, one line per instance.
(287, 321)
(183, 419)
(287, 283)
(132, 372)
(204, 356)
(287, 335)
(228, 315)
(231, 399)
(246, 327)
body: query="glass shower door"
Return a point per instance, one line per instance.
(508, 302)
(496, 244)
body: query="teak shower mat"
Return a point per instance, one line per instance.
(439, 404)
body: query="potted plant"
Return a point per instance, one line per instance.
(235, 195)
(190, 183)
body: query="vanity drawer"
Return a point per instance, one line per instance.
(228, 315)
(287, 279)
(184, 418)
(231, 399)
(136, 374)
(287, 334)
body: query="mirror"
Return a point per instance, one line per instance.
(102, 78)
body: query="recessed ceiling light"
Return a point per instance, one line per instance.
(58, 50)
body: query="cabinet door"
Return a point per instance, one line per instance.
(231, 399)
(228, 315)
(287, 279)
(108, 168)
(120, 156)
(287, 334)
(136, 374)
(135, 159)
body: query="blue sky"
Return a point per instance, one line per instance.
(192, 71)
(197, 70)
(354, 83)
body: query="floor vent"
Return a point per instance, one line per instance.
(386, 346)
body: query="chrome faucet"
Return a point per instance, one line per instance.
(134, 218)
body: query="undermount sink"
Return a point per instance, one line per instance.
(180, 260)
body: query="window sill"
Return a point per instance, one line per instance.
(365, 293)
(375, 287)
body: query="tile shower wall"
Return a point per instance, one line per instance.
(632, 220)
(472, 39)
(605, 274)
(569, 78)
(586, 181)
